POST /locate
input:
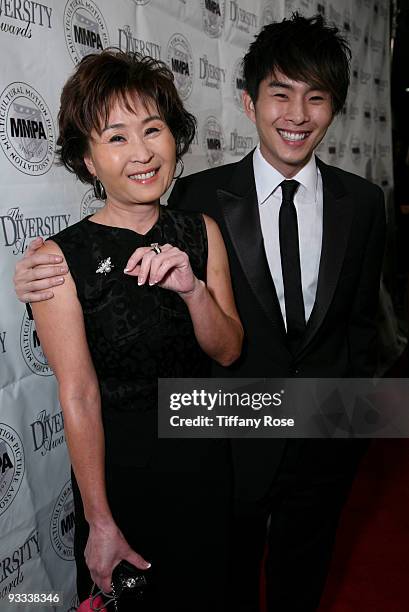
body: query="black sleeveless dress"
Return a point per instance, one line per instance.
(170, 498)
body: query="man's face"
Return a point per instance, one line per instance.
(291, 120)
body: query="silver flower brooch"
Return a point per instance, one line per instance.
(105, 266)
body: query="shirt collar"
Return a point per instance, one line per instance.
(267, 178)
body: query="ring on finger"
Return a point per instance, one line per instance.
(156, 248)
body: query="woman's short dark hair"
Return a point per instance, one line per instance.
(98, 82)
(304, 50)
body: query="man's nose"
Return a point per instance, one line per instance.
(297, 111)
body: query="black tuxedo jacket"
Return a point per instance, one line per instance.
(340, 336)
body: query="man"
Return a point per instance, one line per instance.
(305, 243)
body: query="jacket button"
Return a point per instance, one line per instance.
(294, 371)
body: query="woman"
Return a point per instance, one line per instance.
(119, 323)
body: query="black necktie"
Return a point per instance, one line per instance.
(290, 265)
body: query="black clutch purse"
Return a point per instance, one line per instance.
(128, 582)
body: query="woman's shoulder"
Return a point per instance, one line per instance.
(73, 234)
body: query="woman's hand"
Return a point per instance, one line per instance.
(106, 547)
(170, 269)
(36, 273)
(211, 306)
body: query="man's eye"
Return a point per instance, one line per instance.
(316, 98)
(280, 95)
(151, 130)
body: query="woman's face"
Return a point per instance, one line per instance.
(135, 155)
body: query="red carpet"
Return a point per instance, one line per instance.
(370, 567)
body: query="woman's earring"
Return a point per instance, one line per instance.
(99, 189)
(182, 167)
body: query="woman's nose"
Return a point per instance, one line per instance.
(141, 152)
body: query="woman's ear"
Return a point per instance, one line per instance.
(89, 164)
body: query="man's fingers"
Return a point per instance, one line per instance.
(36, 291)
(48, 272)
(43, 283)
(32, 249)
(37, 296)
(34, 245)
(37, 259)
(45, 259)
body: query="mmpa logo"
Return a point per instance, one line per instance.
(213, 141)
(238, 84)
(62, 524)
(213, 17)
(90, 204)
(27, 134)
(269, 14)
(321, 7)
(85, 29)
(382, 118)
(367, 114)
(180, 60)
(11, 465)
(332, 149)
(31, 348)
(356, 150)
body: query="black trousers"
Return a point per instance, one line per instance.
(175, 512)
(297, 518)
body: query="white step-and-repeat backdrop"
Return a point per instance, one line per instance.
(203, 42)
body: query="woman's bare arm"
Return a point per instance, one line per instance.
(215, 319)
(60, 327)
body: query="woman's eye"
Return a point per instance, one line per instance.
(116, 138)
(151, 130)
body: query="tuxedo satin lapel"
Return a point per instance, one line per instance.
(241, 215)
(337, 220)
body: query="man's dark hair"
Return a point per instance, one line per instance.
(303, 49)
(101, 80)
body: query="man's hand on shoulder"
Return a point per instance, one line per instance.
(38, 272)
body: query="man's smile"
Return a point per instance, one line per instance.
(293, 136)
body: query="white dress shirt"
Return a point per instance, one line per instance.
(308, 202)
